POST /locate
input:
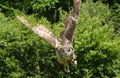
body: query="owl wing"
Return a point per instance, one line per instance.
(70, 23)
(42, 32)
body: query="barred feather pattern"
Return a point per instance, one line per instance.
(64, 48)
(42, 32)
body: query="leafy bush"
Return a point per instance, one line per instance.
(18, 56)
(96, 45)
(115, 18)
(24, 55)
(48, 8)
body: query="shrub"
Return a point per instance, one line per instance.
(23, 54)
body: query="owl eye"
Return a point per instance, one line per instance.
(68, 50)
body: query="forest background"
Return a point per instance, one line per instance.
(23, 54)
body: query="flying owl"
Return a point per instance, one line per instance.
(64, 47)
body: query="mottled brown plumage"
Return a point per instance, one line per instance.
(64, 47)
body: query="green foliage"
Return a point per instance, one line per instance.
(18, 56)
(40, 5)
(116, 18)
(47, 8)
(111, 3)
(97, 48)
(23, 54)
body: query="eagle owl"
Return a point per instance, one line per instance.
(64, 47)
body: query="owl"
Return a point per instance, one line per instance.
(64, 45)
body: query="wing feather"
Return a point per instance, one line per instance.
(42, 32)
(70, 23)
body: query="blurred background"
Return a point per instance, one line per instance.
(24, 54)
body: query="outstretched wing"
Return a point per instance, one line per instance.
(42, 32)
(70, 23)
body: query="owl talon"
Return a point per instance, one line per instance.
(66, 68)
